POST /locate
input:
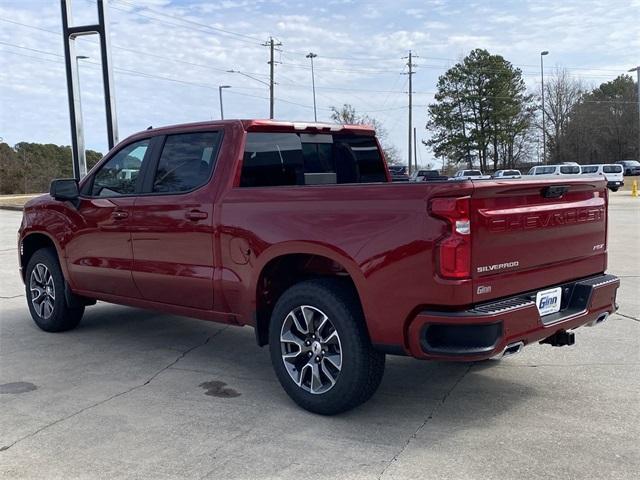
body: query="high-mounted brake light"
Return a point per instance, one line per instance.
(454, 249)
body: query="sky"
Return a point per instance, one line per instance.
(170, 56)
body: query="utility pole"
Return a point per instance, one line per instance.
(410, 65)
(272, 45)
(637, 70)
(311, 56)
(544, 131)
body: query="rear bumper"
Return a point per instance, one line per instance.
(615, 184)
(487, 329)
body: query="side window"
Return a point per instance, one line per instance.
(569, 169)
(118, 176)
(186, 162)
(589, 169)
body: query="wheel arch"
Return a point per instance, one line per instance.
(31, 242)
(283, 267)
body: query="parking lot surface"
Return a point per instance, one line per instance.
(138, 394)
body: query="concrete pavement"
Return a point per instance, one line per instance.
(137, 394)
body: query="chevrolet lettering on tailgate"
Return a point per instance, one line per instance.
(526, 221)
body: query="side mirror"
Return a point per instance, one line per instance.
(64, 189)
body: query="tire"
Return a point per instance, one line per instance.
(49, 308)
(614, 189)
(334, 390)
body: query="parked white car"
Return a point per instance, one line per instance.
(507, 174)
(469, 175)
(555, 170)
(611, 171)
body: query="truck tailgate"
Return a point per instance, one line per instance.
(525, 232)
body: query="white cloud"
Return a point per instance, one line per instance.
(360, 47)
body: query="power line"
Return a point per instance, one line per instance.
(294, 85)
(296, 65)
(159, 77)
(301, 53)
(132, 50)
(239, 36)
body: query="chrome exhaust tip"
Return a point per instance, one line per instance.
(601, 318)
(512, 349)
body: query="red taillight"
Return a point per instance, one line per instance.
(454, 249)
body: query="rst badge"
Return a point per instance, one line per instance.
(548, 301)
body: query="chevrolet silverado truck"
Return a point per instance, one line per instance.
(296, 230)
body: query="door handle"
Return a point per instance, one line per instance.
(120, 214)
(196, 215)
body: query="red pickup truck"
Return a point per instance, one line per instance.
(297, 230)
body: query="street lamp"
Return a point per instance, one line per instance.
(544, 132)
(220, 93)
(256, 79)
(637, 70)
(311, 56)
(248, 76)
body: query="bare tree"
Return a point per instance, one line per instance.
(348, 115)
(562, 93)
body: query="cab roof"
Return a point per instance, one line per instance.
(257, 125)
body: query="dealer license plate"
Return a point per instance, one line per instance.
(548, 301)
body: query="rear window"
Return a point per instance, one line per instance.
(569, 169)
(589, 169)
(612, 169)
(278, 159)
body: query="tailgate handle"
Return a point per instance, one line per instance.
(554, 191)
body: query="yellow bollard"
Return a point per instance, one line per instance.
(634, 188)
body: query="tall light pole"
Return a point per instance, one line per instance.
(637, 70)
(220, 87)
(544, 132)
(311, 56)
